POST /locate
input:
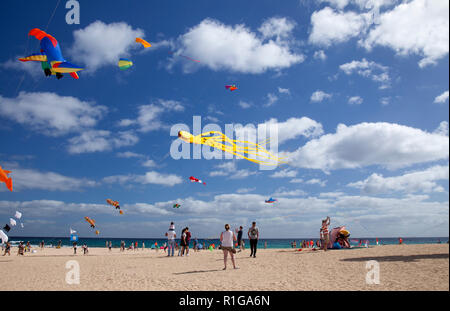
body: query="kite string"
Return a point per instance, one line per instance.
(37, 46)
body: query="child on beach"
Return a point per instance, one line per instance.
(324, 233)
(74, 248)
(85, 249)
(7, 249)
(20, 249)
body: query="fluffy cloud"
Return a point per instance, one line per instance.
(355, 100)
(244, 105)
(372, 70)
(320, 55)
(100, 140)
(319, 96)
(230, 169)
(237, 48)
(50, 113)
(418, 181)
(330, 27)
(365, 144)
(149, 115)
(441, 98)
(24, 179)
(286, 173)
(101, 44)
(292, 128)
(283, 91)
(418, 27)
(151, 177)
(33, 69)
(271, 99)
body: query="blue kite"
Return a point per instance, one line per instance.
(271, 200)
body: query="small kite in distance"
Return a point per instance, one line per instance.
(4, 178)
(143, 42)
(124, 63)
(231, 87)
(271, 200)
(193, 179)
(176, 205)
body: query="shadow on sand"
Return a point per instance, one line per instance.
(409, 258)
(198, 271)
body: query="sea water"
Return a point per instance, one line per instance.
(271, 243)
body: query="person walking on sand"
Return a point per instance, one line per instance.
(74, 247)
(110, 245)
(239, 238)
(7, 249)
(171, 235)
(324, 234)
(188, 240)
(182, 243)
(226, 239)
(253, 235)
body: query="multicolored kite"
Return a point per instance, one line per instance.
(271, 200)
(124, 64)
(50, 56)
(176, 205)
(231, 87)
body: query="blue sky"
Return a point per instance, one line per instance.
(360, 101)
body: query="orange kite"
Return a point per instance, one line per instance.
(4, 178)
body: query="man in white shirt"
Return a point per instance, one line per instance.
(171, 235)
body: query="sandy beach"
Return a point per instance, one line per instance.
(401, 267)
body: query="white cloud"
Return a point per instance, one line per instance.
(245, 190)
(277, 27)
(24, 179)
(100, 140)
(244, 105)
(330, 27)
(129, 154)
(319, 96)
(385, 144)
(418, 27)
(149, 163)
(385, 101)
(149, 115)
(283, 91)
(320, 55)
(289, 193)
(271, 99)
(151, 177)
(442, 129)
(50, 113)
(101, 44)
(32, 68)
(297, 181)
(355, 100)
(316, 181)
(229, 168)
(418, 181)
(372, 70)
(286, 173)
(441, 98)
(292, 128)
(238, 49)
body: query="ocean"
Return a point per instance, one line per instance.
(150, 243)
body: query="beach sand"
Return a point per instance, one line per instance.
(401, 267)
